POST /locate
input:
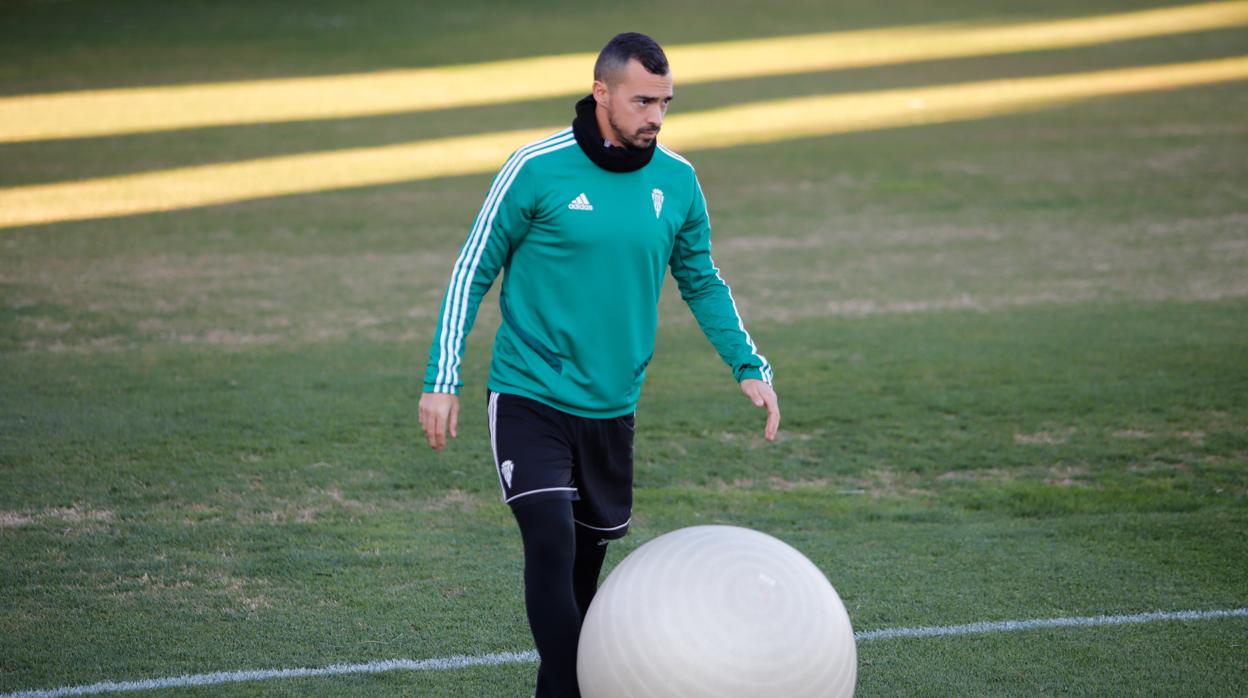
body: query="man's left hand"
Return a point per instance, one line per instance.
(762, 395)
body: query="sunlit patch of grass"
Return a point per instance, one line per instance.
(765, 122)
(119, 111)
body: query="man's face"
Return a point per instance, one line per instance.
(635, 104)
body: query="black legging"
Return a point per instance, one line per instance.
(561, 565)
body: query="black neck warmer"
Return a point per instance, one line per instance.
(612, 159)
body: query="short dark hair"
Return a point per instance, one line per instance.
(624, 47)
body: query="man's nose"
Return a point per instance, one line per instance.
(655, 116)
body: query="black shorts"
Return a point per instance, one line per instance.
(543, 453)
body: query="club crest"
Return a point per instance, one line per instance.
(657, 197)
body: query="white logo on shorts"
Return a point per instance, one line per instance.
(506, 469)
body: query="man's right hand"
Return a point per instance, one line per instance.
(437, 412)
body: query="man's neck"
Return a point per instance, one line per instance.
(604, 127)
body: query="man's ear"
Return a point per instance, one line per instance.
(601, 93)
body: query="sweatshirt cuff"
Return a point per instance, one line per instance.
(432, 388)
(746, 371)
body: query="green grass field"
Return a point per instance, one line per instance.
(1011, 353)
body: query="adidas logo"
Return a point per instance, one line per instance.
(581, 203)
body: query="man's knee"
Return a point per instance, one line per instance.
(548, 532)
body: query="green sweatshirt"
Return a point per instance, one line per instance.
(585, 252)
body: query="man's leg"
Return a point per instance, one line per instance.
(604, 456)
(591, 550)
(534, 462)
(550, 558)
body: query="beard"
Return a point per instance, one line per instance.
(640, 139)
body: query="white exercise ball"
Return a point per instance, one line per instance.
(716, 612)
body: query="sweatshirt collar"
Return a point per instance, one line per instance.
(610, 158)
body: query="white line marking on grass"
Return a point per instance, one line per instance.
(219, 677)
(464, 661)
(1009, 626)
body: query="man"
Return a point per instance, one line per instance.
(585, 223)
